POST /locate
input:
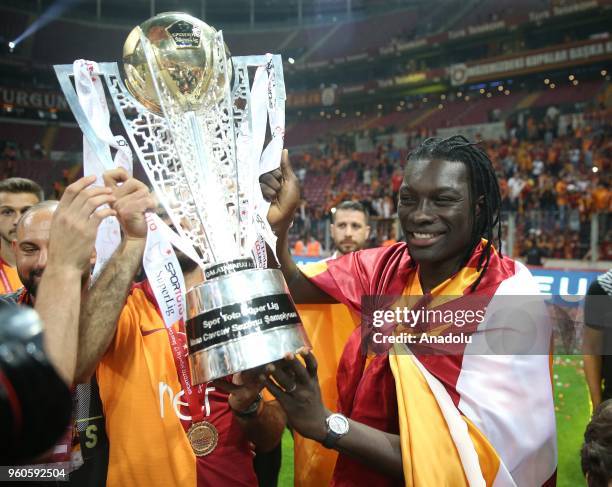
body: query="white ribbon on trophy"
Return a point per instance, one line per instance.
(90, 91)
(265, 105)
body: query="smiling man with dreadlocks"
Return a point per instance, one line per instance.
(407, 417)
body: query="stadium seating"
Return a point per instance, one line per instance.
(309, 131)
(245, 43)
(568, 94)
(21, 134)
(363, 35)
(483, 12)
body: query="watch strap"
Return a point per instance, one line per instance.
(331, 439)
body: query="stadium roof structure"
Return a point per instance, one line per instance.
(238, 13)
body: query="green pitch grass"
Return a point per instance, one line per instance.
(572, 409)
(285, 479)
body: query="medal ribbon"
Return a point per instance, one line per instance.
(179, 353)
(167, 284)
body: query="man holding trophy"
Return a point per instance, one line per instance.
(180, 379)
(162, 429)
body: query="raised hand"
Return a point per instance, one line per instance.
(282, 189)
(132, 199)
(244, 388)
(75, 223)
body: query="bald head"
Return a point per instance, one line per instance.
(32, 243)
(44, 207)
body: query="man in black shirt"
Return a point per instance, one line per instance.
(534, 253)
(597, 341)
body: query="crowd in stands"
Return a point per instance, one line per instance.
(551, 180)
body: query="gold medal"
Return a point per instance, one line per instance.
(203, 437)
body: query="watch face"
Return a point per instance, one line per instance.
(338, 424)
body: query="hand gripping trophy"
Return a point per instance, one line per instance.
(198, 136)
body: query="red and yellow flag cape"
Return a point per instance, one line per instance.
(464, 419)
(329, 327)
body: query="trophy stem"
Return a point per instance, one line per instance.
(199, 146)
(225, 239)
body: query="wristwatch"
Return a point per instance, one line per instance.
(251, 411)
(337, 427)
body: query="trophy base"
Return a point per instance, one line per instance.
(240, 321)
(246, 353)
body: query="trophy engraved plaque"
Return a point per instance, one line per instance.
(188, 110)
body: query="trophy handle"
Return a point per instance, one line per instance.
(64, 72)
(262, 60)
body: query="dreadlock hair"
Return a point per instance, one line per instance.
(596, 452)
(483, 185)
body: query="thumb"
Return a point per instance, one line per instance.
(114, 176)
(285, 165)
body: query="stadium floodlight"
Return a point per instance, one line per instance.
(291, 60)
(56, 9)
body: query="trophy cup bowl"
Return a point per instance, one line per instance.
(183, 52)
(241, 317)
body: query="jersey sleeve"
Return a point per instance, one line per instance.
(340, 278)
(370, 272)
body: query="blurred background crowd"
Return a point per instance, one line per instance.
(529, 80)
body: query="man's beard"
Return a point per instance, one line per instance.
(30, 282)
(347, 247)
